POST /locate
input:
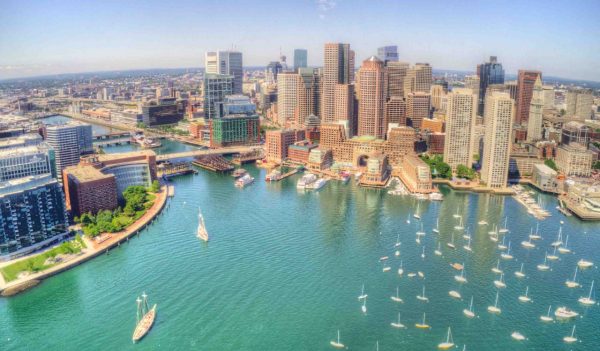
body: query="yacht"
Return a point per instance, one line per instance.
(573, 283)
(502, 246)
(306, 179)
(468, 246)
(408, 219)
(455, 294)
(437, 226)
(553, 256)
(497, 269)
(469, 312)
(495, 309)
(362, 293)
(244, 180)
(421, 232)
(318, 184)
(423, 253)
(584, 264)
(588, 300)
(517, 336)
(547, 318)
(482, 222)
(337, 344)
(461, 278)
(570, 338)
(519, 273)
(460, 225)
(239, 172)
(448, 344)
(201, 231)
(398, 243)
(398, 324)
(505, 228)
(558, 240)
(528, 244)
(145, 318)
(500, 283)
(456, 215)
(506, 255)
(420, 274)
(565, 313)
(363, 308)
(438, 251)
(423, 297)
(400, 270)
(397, 297)
(525, 298)
(451, 243)
(544, 266)
(273, 176)
(536, 235)
(564, 249)
(416, 214)
(422, 325)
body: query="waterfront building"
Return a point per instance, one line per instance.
(499, 115)
(216, 88)
(396, 75)
(489, 73)
(460, 128)
(583, 199)
(544, 178)
(388, 53)
(319, 159)
(32, 215)
(526, 81)
(20, 141)
(234, 129)
(69, 141)
(345, 105)
(579, 103)
(574, 160)
(277, 143)
(300, 58)
(300, 151)
(226, 63)
(575, 132)
(395, 111)
(288, 84)
(522, 161)
(338, 68)
(27, 161)
(534, 125)
(377, 170)
(416, 175)
(88, 190)
(298, 96)
(418, 105)
(372, 85)
(163, 112)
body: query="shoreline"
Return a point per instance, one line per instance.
(23, 284)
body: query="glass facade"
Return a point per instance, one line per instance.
(216, 88)
(128, 175)
(300, 58)
(26, 161)
(489, 73)
(167, 111)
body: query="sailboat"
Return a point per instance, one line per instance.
(423, 253)
(451, 243)
(398, 324)
(525, 298)
(544, 266)
(497, 269)
(449, 343)
(145, 318)
(506, 255)
(397, 297)
(455, 294)
(517, 336)
(519, 273)
(547, 317)
(468, 246)
(494, 230)
(571, 338)
(456, 215)
(438, 251)
(536, 235)
(408, 219)
(500, 283)
(573, 283)
(398, 243)
(422, 325)
(337, 344)
(564, 249)
(528, 244)
(588, 300)
(469, 312)
(201, 232)
(460, 225)
(362, 293)
(584, 264)
(461, 278)
(505, 228)
(363, 308)
(553, 257)
(400, 270)
(495, 308)
(421, 232)
(565, 313)
(502, 246)
(423, 297)
(558, 240)
(482, 222)
(437, 226)
(416, 214)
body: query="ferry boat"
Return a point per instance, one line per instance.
(145, 318)
(146, 143)
(240, 172)
(244, 180)
(201, 232)
(306, 180)
(436, 197)
(318, 184)
(273, 176)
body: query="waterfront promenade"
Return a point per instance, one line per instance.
(92, 250)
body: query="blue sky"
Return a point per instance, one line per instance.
(560, 38)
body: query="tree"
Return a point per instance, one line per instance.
(550, 163)
(141, 125)
(596, 165)
(463, 171)
(155, 187)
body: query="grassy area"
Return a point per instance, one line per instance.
(38, 262)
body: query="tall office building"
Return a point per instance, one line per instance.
(473, 82)
(549, 96)
(372, 85)
(418, 105)
(338, 68)
(396, 75)
(579, 103)
(489, 73)
(272, 71)
(525, 83)
(69, 141)
(309, 94)
(534, 125)
(227, 63)
(26, 161)
(297, 96)
(395, 110)
(344, 107)
(499, 115)
(300, 59)
(438, 97)
(388, 53)
(418, 79)
(460, 127)
(288, 84)
(216, 88)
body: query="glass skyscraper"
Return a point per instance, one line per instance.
(489, 73)
(388, 53)
(300, 58)
(216, 88)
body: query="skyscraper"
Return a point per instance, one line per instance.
(388, 53)
(418, 105)
(300, 59)
(228, 63)
(338, 68)
(499, 114)
(525, 83)
(534, 125)
(579, 103)
(372, 85)
(396, 75)
(288, 84)
(216, 88)
(69, 141)
(488, 73)
(298, 96)
(460, 127)
(418, 79)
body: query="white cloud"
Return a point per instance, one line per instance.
(324, 6)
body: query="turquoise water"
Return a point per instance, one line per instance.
(283, 271)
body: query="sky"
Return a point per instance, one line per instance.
(40, 37)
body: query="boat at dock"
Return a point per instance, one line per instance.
(306, 179)
(145, 318)
(144, 142)
(273, 176)
(316, 185)
(240, 172)
(244, 180)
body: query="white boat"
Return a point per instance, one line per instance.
(438, 251)
(455, 294)
(436, 197)
(448, 344)
(493, 231)
(423, 297)
(398, 324)
(484, 222)
(421, 232)
(423, 324)
(497, 269)
(547, 318)
(495, 309)
(362, 293)
(411, 275)
(461, 278)
(558, 240)
(408, 219)
(502, 246)
(505, 228)
(397, 297)
(570, 338)
(201, 231)
(416, 214)
(306, 179)
(437, 226)
(573, 283)
(383, 258)
(528, 244)
(500, 282)
(506, 255)
(469, 312)
(517, 336)
(386, 268)
(456, 215)
(397, 253)
(275, 175)
(565, 313)
(468, 246)
(451, 243)
(553, 256)
(423, 253)
(398, 243)
(400, 270)
(460, 225)
(363, 308)
(244, 180)
(337, 344)
(536, 235)
(318, 184)
(544, 266)
(519, 273)
(588, 300)
(145, 318)
(420, 274)
(525, 298)
(564, 249)
(584, 264)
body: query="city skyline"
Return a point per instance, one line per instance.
(65, 37)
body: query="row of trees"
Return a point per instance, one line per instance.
(440, 169)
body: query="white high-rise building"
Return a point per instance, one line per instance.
(69, 141)
(499, 114)
(287, 96)
(534, 124)
(460, 128)
(548, 96)
(579, 103)
(228, 63)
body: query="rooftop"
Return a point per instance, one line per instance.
(118, 156)
(86, 173)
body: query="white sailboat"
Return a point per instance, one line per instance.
(505, 228)
(525, 298)
(386, 268)
(468, 246)
(519, 273)
(517, 336)
(408, 219)
(448, 344)
(528, 244)
(506, 255)
(500, 282)
(363, 308)
(469, 312)
(397, 297)
(547, 318)
(437, 226)
(570, 338)
(565, 313)
(423, 297)
(558, 240)
(536, 235)
(201, 232)
(337, 344)
(588, 300)
(423, 324)
(502, 246)
(573, 283)
(400, 270)
(451, 243)
(423, 253)
(495, 309)
(461, 278)
(544, 266)
(438, 251)
(553, 256)
(583, 264)
(398, 324)
(362, 293)
(460, 225)
(421, 232)
(398, 243)
(497, 269)
(455, 294)
(494, 230)
(565, 249)
(416, 214)
(456, 215)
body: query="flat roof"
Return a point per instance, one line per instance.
(118, 156)
(86, 173)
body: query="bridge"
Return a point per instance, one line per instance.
(204, 152)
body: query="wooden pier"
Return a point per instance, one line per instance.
(215, 163)
(247, 157)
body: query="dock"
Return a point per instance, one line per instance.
(167, 170)
(215, 163)
(247, 157)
